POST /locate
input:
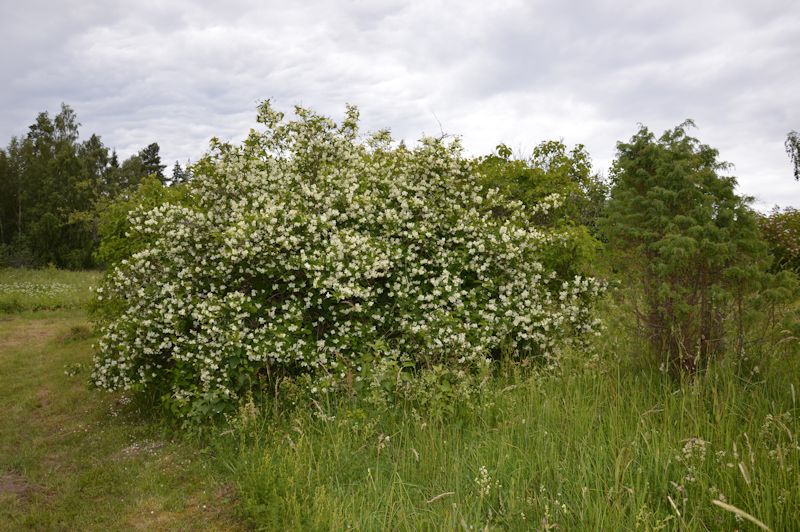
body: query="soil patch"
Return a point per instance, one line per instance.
(16, 486)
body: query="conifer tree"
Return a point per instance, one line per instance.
(151, 161)
(180, 174)
(679, 230)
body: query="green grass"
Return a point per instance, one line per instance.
(45, 289)
(599, 444)
(585, 448)
(75, 459)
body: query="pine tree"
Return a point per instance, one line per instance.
(179, 174)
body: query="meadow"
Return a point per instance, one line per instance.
(49, 289)
(73, 459)
(597, 444)
(320, 329)
(600, 442)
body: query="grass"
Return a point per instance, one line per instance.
(74, 459)
(46, 289)
(598, 444)
(577, 451)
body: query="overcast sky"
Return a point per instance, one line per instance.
(180, 72)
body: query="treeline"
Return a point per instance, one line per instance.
(64, 201)
(55, 186)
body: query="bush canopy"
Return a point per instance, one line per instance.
(312, 253)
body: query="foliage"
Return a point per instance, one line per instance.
(591, 444)
(550, 170)
(781, 229)
(151, 161)
(679, 231)
(117, 242)
(307, 252)
(604, 447)
(179, 174)
(50, 186)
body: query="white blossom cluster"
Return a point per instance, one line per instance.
(309, 250)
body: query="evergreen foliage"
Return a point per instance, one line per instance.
(781, 229)
(677, 228)
(151, 161)
(180, 174)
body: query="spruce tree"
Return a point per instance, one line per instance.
(151, 161)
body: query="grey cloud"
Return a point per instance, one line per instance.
(180, 72)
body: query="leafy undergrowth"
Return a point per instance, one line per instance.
(579, 449)
(46, 289)
(71, 459)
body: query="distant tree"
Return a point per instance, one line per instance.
(793, 150)
(131, 172)
(108, 185)
(151, 161)
(66, 125)
(12, 197)
(6, 195)
(49, 183)
(94, 159)
(95, 163)
(123, 178)
(179, 174)
(53, 187)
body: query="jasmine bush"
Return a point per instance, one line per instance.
(336, 262)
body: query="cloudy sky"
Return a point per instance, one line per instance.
(180, 72)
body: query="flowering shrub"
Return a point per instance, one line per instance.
(313, 253)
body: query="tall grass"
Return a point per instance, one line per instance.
(592, 446)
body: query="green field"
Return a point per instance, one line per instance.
(74, 459)
(597, 444)
(50, 289)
